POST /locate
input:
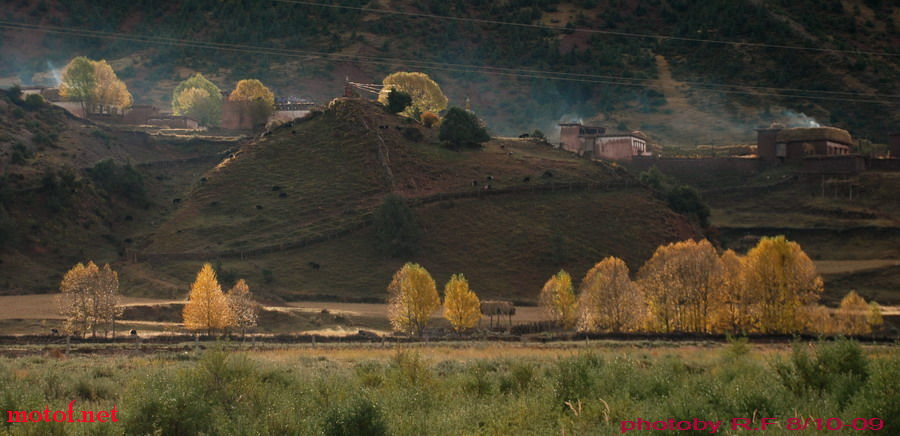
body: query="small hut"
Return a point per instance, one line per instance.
(492, 308)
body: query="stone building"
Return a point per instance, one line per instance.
(777, 143)
(594, 142)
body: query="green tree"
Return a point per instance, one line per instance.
(207, 110)
(397, 101)
(79, 82)
(461, 128)
(396, 229)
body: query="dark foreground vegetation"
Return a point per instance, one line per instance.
(479, 390)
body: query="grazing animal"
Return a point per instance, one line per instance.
(502, 147)
(314, 266)
(527, 179)
(176, 201)
(133, 332)
(282, 195)
(492, 308)
(474, 182)
(293, 132)
(276, 188)
(548, 174)
(490, 177)
(54, 332)
(487, 187)
(258, 207)
(524, 135)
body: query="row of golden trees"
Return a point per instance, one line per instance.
(90, 301)
(95, 85)
(688, 287)
(413, 297)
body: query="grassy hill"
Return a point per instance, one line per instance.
(545, 209)
(55, 210)
(390, 42)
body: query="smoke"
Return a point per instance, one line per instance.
(55, 72)
(797, 119)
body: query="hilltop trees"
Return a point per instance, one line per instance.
(95, 85)
(207, 307)
(260, 100)
(461, 128)
(426, 94)
(558, 300)
(609, 300)
(78, 81)
(412, 299)
(90, 298)
(461, 306)
(397, 231)
(397, 101)
(198, 98)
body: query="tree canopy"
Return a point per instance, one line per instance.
(397, 231)
(260, 100)
(462, 128)
(207, 307)
(426, 94)
(198, 98)
(558, 300)
(412, 298)
(461, 306)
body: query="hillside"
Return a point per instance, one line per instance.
(303, 195)
(310, 50)
(56, 208)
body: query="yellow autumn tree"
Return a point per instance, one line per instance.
(734, 310)
(89, 299)
(243, 307)
(207, 307)
(110, 93)
(412, 298)
(609, 301)
(854, 315)
(558, 300)
(426, 94)
(681, 281)
(461, 306)
(782, 280)
(259, 100)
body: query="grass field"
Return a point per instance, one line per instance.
(466, 388)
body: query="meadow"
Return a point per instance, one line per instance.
(454, 388)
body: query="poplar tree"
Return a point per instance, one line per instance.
(782, 279)
(207, 308)
(242, 306)
(558, 300)
(609, 300)
(426, 94)
(412, 298)
(461, 306)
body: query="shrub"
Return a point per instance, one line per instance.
(33, 101)
(359, 418)
(397, 230)
(20, 154)
(429, 119)
(462, 128)
(839, 368)
(397, 101)
(122, 180)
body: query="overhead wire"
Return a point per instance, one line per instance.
(450, 67)
(583, 30)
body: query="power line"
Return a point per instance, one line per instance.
(584, 30)
(518, 73)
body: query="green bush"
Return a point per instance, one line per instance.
(121, 180)
(462, 128)
(360, 418)
(398, 101)
(33, 101)
(397, 230)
